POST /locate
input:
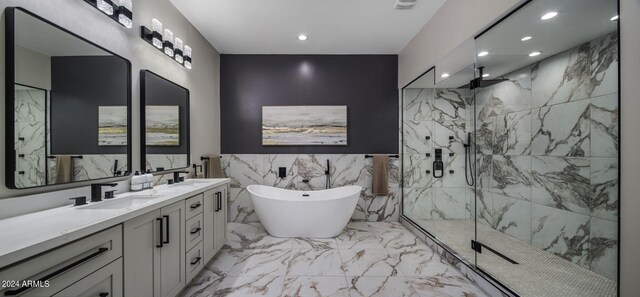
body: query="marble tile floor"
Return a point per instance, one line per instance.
(368, 259)
(545, 274)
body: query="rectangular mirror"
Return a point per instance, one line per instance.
(68, 115)
(165, 118)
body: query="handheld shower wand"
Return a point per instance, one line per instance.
(468, 164)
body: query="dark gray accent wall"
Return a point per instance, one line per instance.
(78, 86)
(366, 84)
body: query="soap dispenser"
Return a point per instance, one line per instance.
(149, 179)
(137, 182)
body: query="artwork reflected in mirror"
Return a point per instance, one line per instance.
(163, 125)
(71, 98)
(165, 115)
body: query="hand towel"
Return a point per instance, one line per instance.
(214, 167)
(380, 175)
(64, 169)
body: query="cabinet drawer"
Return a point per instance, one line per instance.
(64, 265)
(194, 231)
(194, 261)
(106, 282)
(194, 205)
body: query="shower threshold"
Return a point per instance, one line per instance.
(539, 273)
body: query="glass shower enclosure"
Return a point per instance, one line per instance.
(512, 163)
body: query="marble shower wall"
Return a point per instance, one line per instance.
(346, 169)
(30, 137)
(436, 119)
(548, 155)
(91, 167)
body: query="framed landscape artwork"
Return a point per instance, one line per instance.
(304, 125)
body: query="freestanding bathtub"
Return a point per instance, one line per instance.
(289, 213)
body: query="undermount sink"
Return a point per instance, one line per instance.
(124, 202)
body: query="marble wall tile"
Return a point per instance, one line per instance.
(604, 64)
(562, 233)
(511, 176)
(168, 161)
(513, 133)
(418, 203)
(604, 186)
(29, 106)
(415, 171)
(604, 126)
(34, 171)
(271, 165)
(415, 134)
(483, 169)
(512, 217)
(563, 77)
(457, 178)
(562, 183)
(395, 174)
(485, 135)
(244, 170)
(34, 138)
(418, 104)
(312, 168)
(449, 203)
(91, 167)
(349, 170)
(562, 130)
(450, 104)
(446, 129)
(484, 208)
(603, 247)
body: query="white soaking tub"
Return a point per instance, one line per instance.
(289, 213)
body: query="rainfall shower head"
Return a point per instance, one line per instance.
(485, 83)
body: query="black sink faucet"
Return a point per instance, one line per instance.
(96, 191)
(176, 175)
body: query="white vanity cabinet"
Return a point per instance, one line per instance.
(215, 221)
(106, 282)
(68, 266)
(154, 252)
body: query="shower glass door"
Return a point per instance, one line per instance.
(546, 145)
(437, 121)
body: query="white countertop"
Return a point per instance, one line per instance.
(27, 235)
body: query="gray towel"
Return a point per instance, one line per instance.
(380, 175)
(213, 167)
(64, 169)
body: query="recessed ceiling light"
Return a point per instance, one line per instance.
(444, 75)
(533, 54)
(615, 18)
(526, 38)
(483, 53)
(549, 15)
(302, 37)
(486, 75)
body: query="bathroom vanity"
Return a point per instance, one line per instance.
(149, 243)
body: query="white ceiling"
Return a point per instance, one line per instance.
(333, 27)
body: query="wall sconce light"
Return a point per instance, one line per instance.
(125, 13)
(178, 50)
(165, 42)
(121, 11)
(187, 57)
(156, 34)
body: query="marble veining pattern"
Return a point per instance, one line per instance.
(547, 148)
(307, 172)
(252, 263)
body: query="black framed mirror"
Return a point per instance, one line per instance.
(68, 105)
(164, 116)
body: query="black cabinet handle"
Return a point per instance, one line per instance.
(103, 294)
(195, 205)
(218, 201)
(161, 232)
(196, 230)
(196, 261)
(167, 227)
(62, 270)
